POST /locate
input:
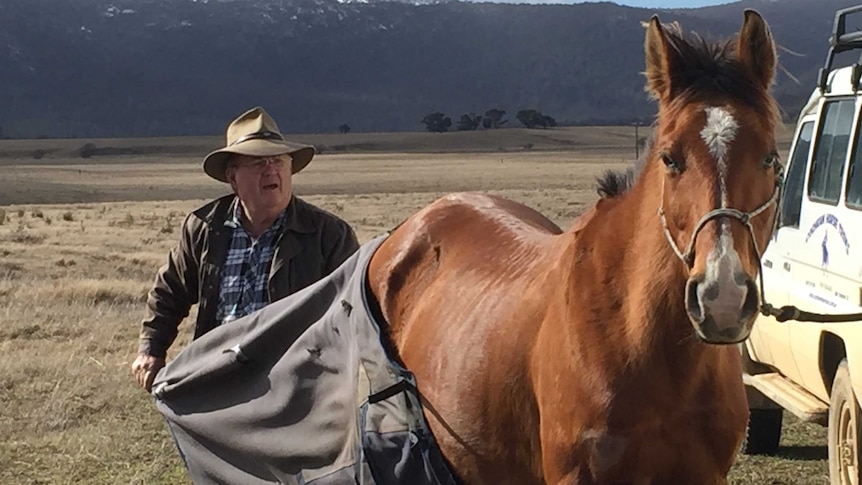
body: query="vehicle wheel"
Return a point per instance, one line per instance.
(844, 421)
(764, 432)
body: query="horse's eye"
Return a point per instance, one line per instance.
(772, 161)
(670, 163)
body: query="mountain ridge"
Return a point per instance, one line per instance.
(184, 67)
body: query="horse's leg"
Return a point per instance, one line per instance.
(576, 477)
(584, 478)
(716, 479)
(702, 465)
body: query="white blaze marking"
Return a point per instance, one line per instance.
(723, 261)
(718, 134)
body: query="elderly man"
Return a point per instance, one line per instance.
(242, 251)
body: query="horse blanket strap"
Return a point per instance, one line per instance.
(385, 394)
(790, 312)
(301, 392)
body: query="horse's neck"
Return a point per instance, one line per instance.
(637, 282)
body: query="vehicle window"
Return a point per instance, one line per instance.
(794, 179)
(827, 168)
(853, 191)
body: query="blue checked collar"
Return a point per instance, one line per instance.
(234, 221)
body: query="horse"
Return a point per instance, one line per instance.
(603, 354)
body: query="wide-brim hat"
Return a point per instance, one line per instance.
(256, 134)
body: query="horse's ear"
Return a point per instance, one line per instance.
(659, 60)
(755, 48)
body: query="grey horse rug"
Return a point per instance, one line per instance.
(300, 392)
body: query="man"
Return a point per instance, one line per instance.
(242, 251)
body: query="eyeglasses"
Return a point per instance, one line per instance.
(260, 164)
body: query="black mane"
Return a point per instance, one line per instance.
(614, 183)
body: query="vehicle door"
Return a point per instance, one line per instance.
(821, 243)
(769, 341)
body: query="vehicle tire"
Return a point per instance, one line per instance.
(844, 422)
(764, 432)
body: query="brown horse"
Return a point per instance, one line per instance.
(599, 355)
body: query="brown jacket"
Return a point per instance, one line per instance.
(313, 243)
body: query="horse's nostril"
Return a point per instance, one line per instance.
(752, 300)
(692, 300)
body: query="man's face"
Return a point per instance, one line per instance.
(261, 183)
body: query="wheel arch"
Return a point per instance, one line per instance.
(832, 352)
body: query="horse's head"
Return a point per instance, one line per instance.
(715, 161)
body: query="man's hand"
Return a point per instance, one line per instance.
(145, 367)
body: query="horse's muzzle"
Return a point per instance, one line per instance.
(722, 312)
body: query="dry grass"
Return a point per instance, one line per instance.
(80, 242)
(70, 294)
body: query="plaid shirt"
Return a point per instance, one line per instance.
(246, 270)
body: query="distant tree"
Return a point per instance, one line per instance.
(437, 122)
(469, 122)
(88, 150)
(344, 128)
(531, 118)
(494, 118)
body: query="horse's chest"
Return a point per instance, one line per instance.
(677, 448)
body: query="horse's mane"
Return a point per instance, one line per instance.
(707, 70)
(613, 183)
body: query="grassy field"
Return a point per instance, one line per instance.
(80, 240)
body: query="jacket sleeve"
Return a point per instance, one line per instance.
(174, 292)
(339, 243)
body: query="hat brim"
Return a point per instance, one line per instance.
(215, 163)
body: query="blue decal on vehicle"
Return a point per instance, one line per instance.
(829, 220)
